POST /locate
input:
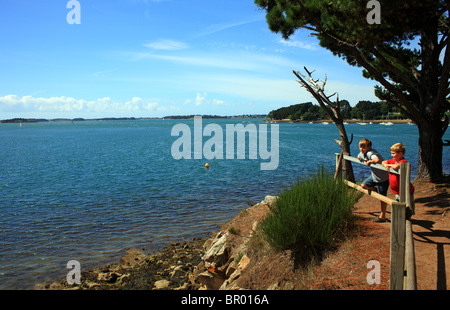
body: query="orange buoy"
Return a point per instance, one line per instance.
(206, 165)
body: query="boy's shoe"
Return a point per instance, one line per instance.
(378, 220)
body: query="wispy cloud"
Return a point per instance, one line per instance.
(235, 60)
(167, 44)
(214, 28)
(299, 44)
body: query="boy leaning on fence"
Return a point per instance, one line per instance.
(378, 180)
(397, 153)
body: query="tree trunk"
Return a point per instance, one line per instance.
(430, 152)
(347, 168)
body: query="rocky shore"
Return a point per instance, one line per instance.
(210, 263)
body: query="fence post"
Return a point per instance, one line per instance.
(410, 281)
(397, 253)
(339, 159)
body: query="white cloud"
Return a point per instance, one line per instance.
(200, 99)
(218, 102)
(166, 44)
(13, 103)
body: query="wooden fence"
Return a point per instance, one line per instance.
(402, 269)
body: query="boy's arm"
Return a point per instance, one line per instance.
(395, 166)
(375, 160)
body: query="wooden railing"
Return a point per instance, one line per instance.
(402, 269)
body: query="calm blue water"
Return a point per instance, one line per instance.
(90, 191)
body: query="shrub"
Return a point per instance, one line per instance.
(310, 213)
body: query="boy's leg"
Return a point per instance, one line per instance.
(382, 189)
(383, 211)
(369, 184)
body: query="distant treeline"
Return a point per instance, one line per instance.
(362, 110)
(24, 120)
(35, 120)
(216, 116)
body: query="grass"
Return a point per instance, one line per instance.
(308, 216)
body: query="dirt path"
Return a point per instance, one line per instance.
(431, 232)
(347, 268)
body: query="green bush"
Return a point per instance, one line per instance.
(310, 213)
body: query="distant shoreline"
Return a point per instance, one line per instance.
(185, 117)
(173, 117)
(353, 121)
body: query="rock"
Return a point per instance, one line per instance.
(177, 272)
(210, 280)
(270, 199)
(161, 284)
(131, 259)
(183, 287)
(218, 251)
(109, 277)
(230, 283)
(245, 260)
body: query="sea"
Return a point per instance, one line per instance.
(90, 190)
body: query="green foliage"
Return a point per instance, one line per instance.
(362, 110)
(374, 110)
(290, 111)
(310, 213)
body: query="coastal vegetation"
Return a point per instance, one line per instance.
(364, 109)
(308, 217)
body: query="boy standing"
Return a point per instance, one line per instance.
(397, 153)
(378, 180)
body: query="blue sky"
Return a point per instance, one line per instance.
(153, 58)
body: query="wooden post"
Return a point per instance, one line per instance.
(410, 281)
(397, 253)
(338, 165)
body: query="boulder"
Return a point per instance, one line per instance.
(218, 251)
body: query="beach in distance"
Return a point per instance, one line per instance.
(89, 190)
